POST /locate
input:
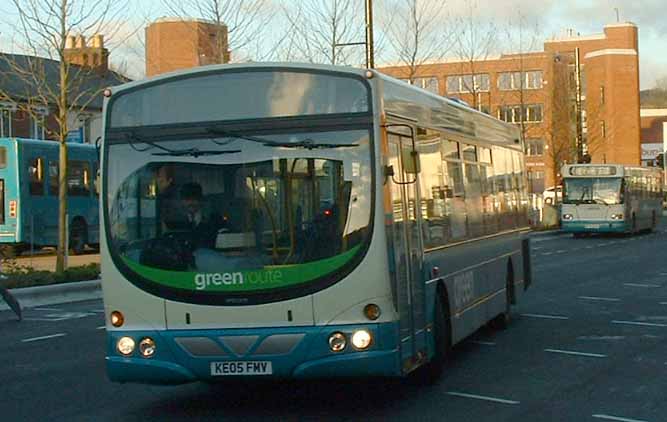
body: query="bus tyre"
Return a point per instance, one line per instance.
(502, 321)
(442, 340)
(78, 237)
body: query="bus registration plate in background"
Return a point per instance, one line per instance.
(242, 368)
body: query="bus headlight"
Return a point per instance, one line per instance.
(337, 342)
(617, 216)
(147, 347)
(361, 339)
(125, 346)
(568, 216)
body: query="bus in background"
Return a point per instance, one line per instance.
(29, 195)
(300, 221)
(608, 198)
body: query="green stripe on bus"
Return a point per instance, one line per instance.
(271, 277)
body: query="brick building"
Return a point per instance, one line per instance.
(25, 82)
(173, 44)
(537, 91)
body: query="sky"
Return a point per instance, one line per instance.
(549, 17)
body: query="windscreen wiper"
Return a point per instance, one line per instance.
(308, 143)
(193, 152)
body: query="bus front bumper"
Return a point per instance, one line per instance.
(594, 226)
(310, 356)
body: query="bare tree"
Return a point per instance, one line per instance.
(476, 41)
(417, 31)
(42, 28)
(319, 30)
(239, 23)
(560, 133)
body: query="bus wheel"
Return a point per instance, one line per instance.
(442, 339)
(502, 321)
(78, 237)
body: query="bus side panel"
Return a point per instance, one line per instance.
(475, 275)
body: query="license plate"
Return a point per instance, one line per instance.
(241, 368)
(591, 226)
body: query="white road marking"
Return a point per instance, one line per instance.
(561, 251)
(484, 343)
(546, 253)
(617, 418)
(570, 352)
(48, 309)
(28, 340)
(647, 324)
(601, 338)
(475, 396)
(663, 303)
(652, 286)
(544, 316)
(589, 247)
(605, 299)
(101, 327)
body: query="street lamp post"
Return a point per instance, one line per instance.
(369, 43)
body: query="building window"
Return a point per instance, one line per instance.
(532, 113)
(7, 111)
(429, 83)
(485, 108)
(602, 95)
(532, 79)
(603, 129)
(37, 130)
(534, 147)
(460, 84)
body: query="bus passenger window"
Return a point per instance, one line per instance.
(36, 176)
(3, 157)
(53, 178)
(78, 178)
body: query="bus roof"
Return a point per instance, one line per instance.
(45, 143)
(400, 99)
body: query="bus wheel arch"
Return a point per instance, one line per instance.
(442, 336)
(78, 235)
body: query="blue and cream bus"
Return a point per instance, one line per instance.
(354, 225)
(29, 194)
(610, 198)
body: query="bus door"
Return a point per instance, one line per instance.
(407, 250)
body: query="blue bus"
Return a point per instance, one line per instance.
(610, 198)
(29, 195)
(299, 221)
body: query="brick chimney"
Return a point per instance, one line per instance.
(93, 54)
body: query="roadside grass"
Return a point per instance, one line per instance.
(26, 276)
